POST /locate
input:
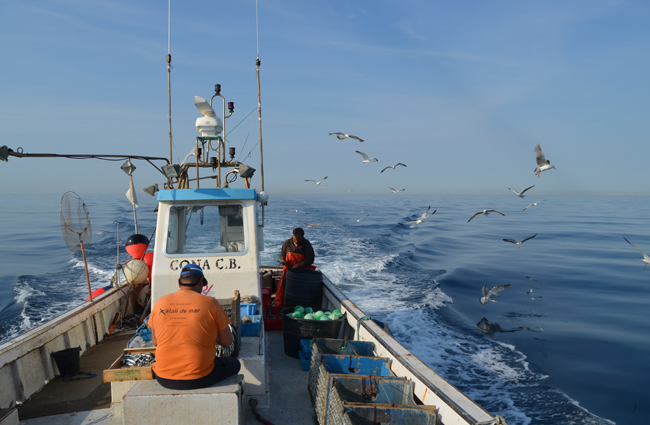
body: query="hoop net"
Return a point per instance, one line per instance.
(75, 222)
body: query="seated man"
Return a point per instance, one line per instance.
(185, 326)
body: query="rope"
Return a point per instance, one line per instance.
(359, 325)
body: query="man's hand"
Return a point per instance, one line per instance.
(284, 263)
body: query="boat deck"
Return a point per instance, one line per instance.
(88, 401)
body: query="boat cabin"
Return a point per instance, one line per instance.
(216, 229)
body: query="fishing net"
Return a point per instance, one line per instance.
(75, 222)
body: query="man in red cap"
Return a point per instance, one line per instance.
(185, 328)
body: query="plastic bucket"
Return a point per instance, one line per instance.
(293, 330)
(67, 361)
(303, 287)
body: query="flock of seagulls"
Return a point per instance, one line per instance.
(366, 159)
(543, 164)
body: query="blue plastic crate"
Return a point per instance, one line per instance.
(304, 361)
(305, 345)
(248, 309)
(253, 328)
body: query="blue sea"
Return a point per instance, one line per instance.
(567, 343)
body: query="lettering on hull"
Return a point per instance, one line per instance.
(219, 264)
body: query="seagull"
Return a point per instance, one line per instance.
(297, 211)
(365, 157)
(530, 291)
(494, 292)
(534, 204)
(486, 212)
(309, 226)
(521, 194)
(359, 219)
(544, 164)
(395, 190)
(342, 136)
(414, 223)
(393, 166)
(645, 260)
(518, 243)
(317, 182)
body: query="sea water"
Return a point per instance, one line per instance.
(574, 350)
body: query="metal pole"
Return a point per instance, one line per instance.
(90, 292)
(259, 117)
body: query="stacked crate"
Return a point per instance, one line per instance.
(357, 388)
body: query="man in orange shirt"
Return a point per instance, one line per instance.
(185, 328)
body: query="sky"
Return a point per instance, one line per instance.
(461, 92)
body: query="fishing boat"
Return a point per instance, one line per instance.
(209, 214)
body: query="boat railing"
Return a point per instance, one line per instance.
(26, 361)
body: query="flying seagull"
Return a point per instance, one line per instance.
(359, 219)
(518, 243)
(521, 194)
(317, 182)
(365, 157)
(393, 166)
(395, 190)
(534, 204)
(544, 164)
(494, 292)
(414, 223)
(342, 136)
(486, 212)
(309, 226)
(645, 260)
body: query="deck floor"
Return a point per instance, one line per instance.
(87, 401)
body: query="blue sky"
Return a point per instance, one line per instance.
(461, 92)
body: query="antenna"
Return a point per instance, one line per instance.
(169, 83)
(259, 103)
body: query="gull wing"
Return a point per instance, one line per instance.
(530, 237)
(495, 211)
(356, 138)
(485, 290)
(524, 191)
(472, 217)
(516, 193)
(363, 155)
(640, 250)
(510, 240)
(311, 181)
(316, 224)
(540, 158)
(424, 215)
(498, 289)
(324, 178)
(385, 168)
(338, 134)
(399, 163)
(434, 211)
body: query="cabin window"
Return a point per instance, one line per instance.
(205, 229)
